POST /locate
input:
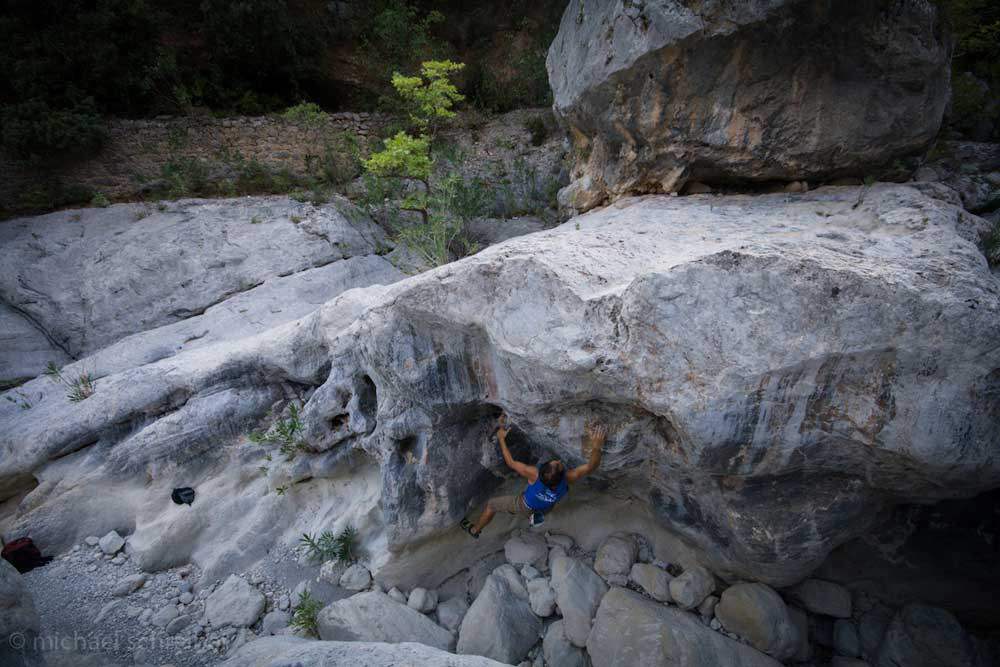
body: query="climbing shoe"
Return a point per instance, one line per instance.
(467, 527)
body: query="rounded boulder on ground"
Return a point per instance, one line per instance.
(451, 612)
(923, 636)
(423, 600)
(235, 603)
(616, 555)
(526, 549)
(558, 651)
(690, 588)
(375, 617)
(653, 580)
(541, 597)
(757, 613)
(823, 597)
(356, 578)
(499, 625)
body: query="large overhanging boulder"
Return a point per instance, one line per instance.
(773, 370)
(660, 92)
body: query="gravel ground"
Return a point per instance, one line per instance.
(160, 624)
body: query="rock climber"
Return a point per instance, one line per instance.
(548, 482)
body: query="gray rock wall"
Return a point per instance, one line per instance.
(196, 272)
(661, 92)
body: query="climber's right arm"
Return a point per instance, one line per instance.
(530, 473)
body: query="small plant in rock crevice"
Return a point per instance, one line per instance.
(304, 616)
(80, 388)
(991, 246)
(285, 433)
(19, 399)
(327, 546)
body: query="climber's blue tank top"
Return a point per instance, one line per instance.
(540, 497)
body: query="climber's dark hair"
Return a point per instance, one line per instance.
(552, 474)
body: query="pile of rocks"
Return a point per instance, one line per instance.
(549, 603)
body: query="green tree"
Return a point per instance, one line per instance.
(429, 97)
(407, 158)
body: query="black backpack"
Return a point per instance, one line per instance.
(183, 496)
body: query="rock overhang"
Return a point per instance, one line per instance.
(750, 354)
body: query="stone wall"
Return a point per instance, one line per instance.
(138, 150)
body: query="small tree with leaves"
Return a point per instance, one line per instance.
(429, 97)
(407, 157)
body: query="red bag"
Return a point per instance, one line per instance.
(24, 555)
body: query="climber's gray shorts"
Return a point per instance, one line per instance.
(510, 504)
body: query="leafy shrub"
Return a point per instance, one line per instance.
(975, 62)
(65, 63)
(327, 546)
(339, 163)
(33, 130)
(523, 83)
(306, 113)
(100, 200)
(184, 177)
(399, 35)
(991, 246)
(538, 126)
(260, 51)
(304, 616)
(53, 193)
(284, 433)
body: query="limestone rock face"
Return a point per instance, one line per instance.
(831, 351)
(195, 273)
(272, 651)
(375, 617)
(660, 92)
(757, 612)
(631, 631)
(499, 625)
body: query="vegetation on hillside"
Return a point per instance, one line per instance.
(67, 64)
(975, 26)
